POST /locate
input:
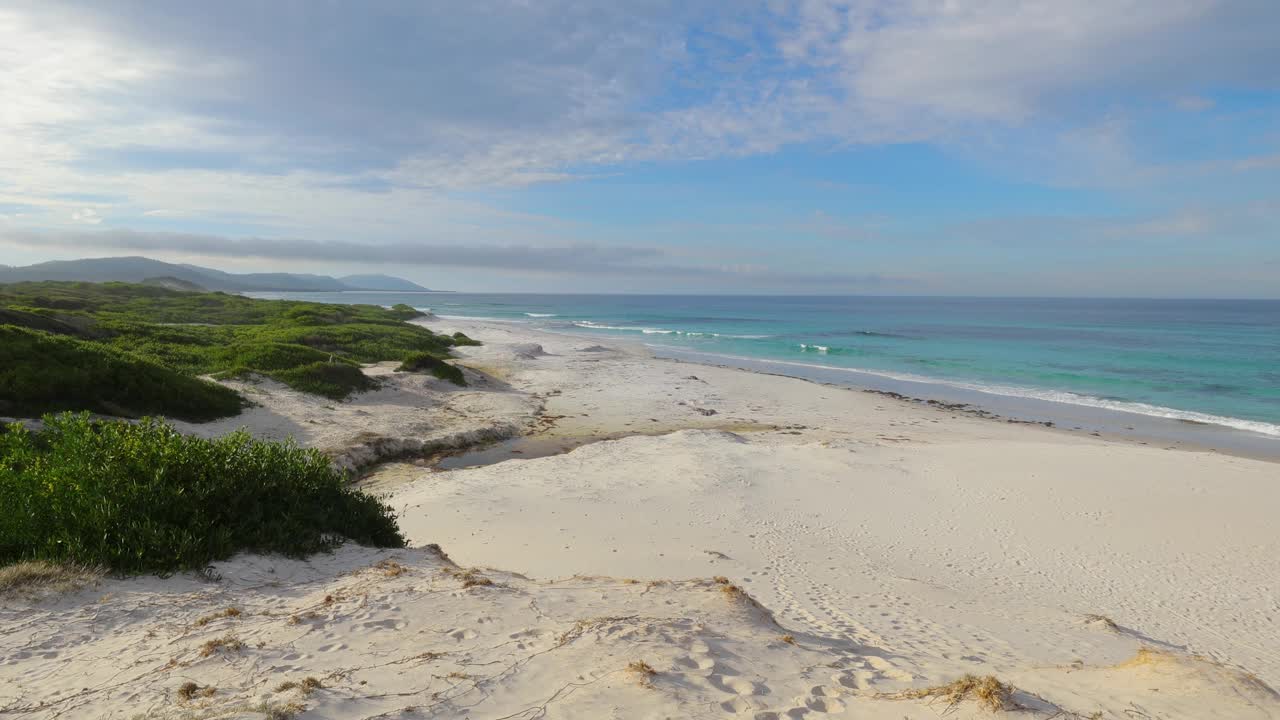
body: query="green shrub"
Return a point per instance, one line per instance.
(272, 356)
(460, 339)
(332, 380)
(406, 312)
(420, 362)
(145, 498)
(39, 321)
(42, 373)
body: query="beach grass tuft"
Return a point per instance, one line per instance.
(643, 672)
(36, 576)
(306, 686)
(469, 577)
(226, 643)
(390, 568)
(189, 691)
(987, 691)
(231, 612)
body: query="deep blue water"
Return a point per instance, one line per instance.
(1213, 361)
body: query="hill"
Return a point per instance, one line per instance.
(386, 283)
(172, 283)
(141, 269)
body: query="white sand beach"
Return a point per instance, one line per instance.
(739, 545)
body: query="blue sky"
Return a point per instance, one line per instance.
(993, 147)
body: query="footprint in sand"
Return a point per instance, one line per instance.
(738, 706)
(705, 662)
(888, 669)
(737, 685)
(389, 624)
(859, 680)
(462, 634)
(823, 700)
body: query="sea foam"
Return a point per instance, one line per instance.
(1054, 396)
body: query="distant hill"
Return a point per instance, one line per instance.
(381, 282)
(190, 277)
(173, 283)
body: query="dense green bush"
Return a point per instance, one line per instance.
(332, 380)
(460, 339)
(225, 335)
(145, 498)
(426, 362)
(41, 373)
(271, 356)
(406, 312)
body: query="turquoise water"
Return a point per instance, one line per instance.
(1207, 361)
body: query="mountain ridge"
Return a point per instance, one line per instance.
(138, 269)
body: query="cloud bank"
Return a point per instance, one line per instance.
(563, 260)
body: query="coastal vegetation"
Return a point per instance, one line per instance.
(131, 350)
(142, 497)
(40, 372)
(426, 362)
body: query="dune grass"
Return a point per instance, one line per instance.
(427, 362)
(108, 331)
(35, 576)
(41, 373)
(142, 497)
(988, 692)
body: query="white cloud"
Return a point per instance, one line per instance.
(86, 216)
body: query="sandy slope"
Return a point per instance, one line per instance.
(410, 413)
(898, 545)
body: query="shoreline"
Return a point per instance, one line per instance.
(1115, 424)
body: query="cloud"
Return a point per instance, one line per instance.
(86, 216)
(504, 93)
(1011, 60)
(557, 260)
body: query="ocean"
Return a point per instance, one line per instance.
(1104, 362)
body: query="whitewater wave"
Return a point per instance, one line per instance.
(1056, 396)
(805, 347)
(598, 326)
(663, 331)
(541, 315)
(480, 318)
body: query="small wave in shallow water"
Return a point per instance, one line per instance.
(1055, 396)
(589, 325)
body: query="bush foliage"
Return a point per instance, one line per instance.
(312, 347)
(41, 373)
(145, 498)
(426, 362)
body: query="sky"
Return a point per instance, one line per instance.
(920, 147)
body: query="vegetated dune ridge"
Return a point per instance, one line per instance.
(762, 547)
